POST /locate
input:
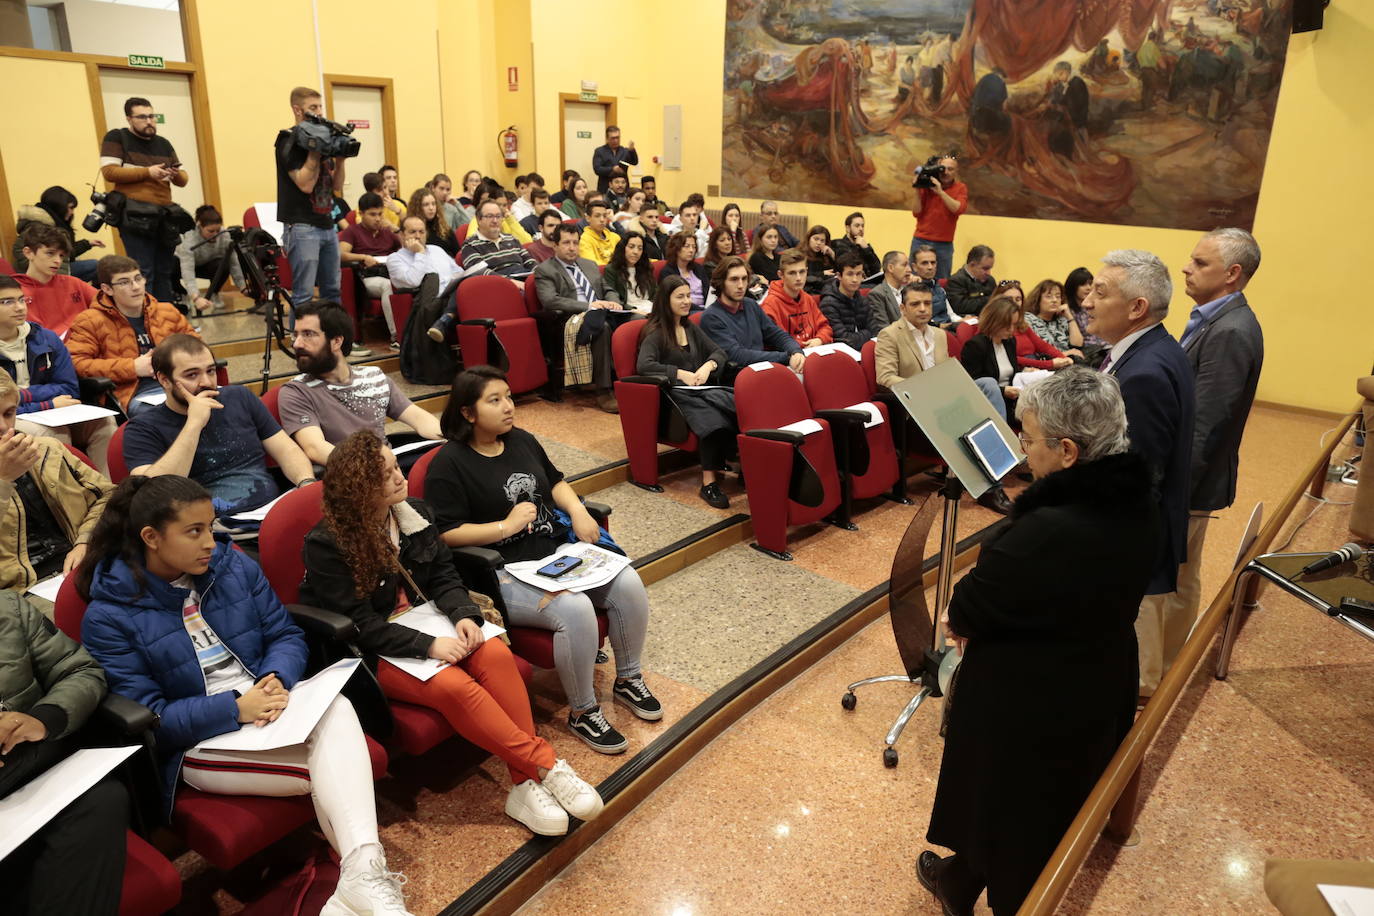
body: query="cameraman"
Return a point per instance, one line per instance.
(937, 213)
(142, 166)
(306, 184)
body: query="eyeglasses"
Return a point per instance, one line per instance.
(1027, 440)
(139, 280)
(10, 303)
(143, 117)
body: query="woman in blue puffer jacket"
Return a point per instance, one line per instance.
(188, 626)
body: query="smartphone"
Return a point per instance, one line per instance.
(560, 567)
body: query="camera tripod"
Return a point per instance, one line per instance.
(259, 267)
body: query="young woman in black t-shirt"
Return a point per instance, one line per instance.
(492, 485)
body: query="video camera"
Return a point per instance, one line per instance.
(932, 169)
(316, 134)
(108, 207)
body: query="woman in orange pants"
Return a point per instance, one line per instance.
(376, 554)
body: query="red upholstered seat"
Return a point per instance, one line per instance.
(834, 381)
(271, 399)
(965, 332)
(648, 416)
(151, 883)
(956, 346)
(461, 233)
(114, 456)
(85, 459)
(495, 328)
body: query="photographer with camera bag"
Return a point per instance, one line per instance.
(142, 166)
(940, 199)
(306, 183)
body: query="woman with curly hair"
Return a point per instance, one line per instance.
(424, 203)
(376, 553)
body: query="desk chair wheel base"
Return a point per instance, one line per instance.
(775, 554)
(651, 487)
(842, 524)
(849, 701)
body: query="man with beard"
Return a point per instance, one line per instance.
(143, 167)
(330, 400)
(219, 437)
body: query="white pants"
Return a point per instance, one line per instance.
(1164, 622)
(332, 765)
(380, 288)
(92, 437)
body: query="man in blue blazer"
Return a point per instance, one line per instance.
(1129, 300)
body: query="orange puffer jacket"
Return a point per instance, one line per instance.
(103, 343)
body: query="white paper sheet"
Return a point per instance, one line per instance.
(309, 699)
(761, 365)
(430, 620)
(1029, 377)
(415, 446)
(805, 427)
(846, 349)
(66, 416)
(875, 416)
(260, 513)
(152, 397)
(1348, 901)
(28, 808)
(267, 218)
(48, 588)
(599, 566)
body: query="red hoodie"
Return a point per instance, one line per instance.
(800, 318)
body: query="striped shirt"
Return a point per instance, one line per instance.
(221, 669)
(505, 257)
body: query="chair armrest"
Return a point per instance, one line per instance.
(655, 380)
(479, 556)
(598, 511)
(483, 322)
(319, 622)
(94, 390)
(790, 436)
(123, 716)
(843, 417)
(405, 291)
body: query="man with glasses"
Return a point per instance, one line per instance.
(142, 166)
(503, 254)
(114, 337)
(768, 211)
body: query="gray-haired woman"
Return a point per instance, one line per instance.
(1047, 688)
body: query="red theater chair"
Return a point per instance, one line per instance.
(956, 346)
(478, 566)
(791, 476)
(151, 883)
(461, 233)
(115, 456)
(495, 328)
(224, 829)
(648, 417)
(868, 460)
(966, 332)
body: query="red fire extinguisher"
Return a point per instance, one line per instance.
(509, 141)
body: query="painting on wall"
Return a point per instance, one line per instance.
(1137, 112)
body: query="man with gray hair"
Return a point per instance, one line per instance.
(1225, 348)
(1128, 301)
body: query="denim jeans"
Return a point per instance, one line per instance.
(158, 263)
(944, 255)
(313, 254)
(85, 270)
(993, 392)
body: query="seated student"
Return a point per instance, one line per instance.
(523, 205)
(51, 500)
(597, 242)
(689, 221)
(41, 366)
(910, 344)
(493, 486)
(574, 205)
(740, 327)
(680, 260)
(54, 298)
(649, 185)
(568, 283)
(55, 208)
(629, 276)
(442, 186)
(355, 558)
(392, 209)
(219, 437)
(733, 222)
(617, 189)
(648, 225)
(719, 246)
(565, 183)
(972, 285)
(51, 686)
(847, 310)
(539, 199)
(114, 338)
(330, 400)
(1031, 351)
(768, 216)
(820, 259)
(792, 308)
(1077, 285)
(188, 626)
(853, 240)
(509, 224)
(408, 266)
(885, 299)
(671, 346)
(364, 247)
(1049, 316)
(200, 253)
(424, 203)
(764, 256)
(471, 180)
(628, 210)
(542, 248)
(924, 264)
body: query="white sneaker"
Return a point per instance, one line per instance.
(576, 795)
(532, 805)
(366, 888)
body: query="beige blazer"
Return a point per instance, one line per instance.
(895, 356)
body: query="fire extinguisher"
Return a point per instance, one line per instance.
(509, 141)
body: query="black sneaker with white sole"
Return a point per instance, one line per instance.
(592, 727)
(635, 694)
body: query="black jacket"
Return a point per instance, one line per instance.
(329, 584)
(659, 358)
(872, 264)
(1016, 769)
(966, 295)
(851, 319)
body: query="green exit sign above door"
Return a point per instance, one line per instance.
(584, 135)
(147, 62)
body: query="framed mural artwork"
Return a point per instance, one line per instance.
(1138, 112)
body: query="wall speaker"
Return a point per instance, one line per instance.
(1307, 15)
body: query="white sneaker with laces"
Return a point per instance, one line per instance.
(576, 795)
(366, 888)
(532, 805)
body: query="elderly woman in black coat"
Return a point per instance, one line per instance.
(1047, 686)
(673, 347)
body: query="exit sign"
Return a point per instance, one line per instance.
(161, 119)
(584, 135)
(588, 95)
(358, 123)
(147, 62)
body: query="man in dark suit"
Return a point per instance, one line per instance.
(1129, 300)
(1225, 348)
(605, 159)
(569, 284)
